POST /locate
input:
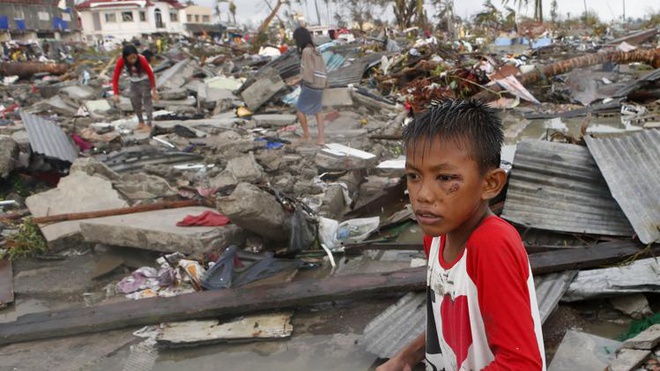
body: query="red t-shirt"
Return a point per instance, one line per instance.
(482, 312)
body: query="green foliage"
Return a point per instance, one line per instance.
(27, 242)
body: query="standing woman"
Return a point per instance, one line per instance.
(314, 80)
(143, 83)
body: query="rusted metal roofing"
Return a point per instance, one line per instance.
(630, 166)
(48, 139)
(134, 159)
(558, 187)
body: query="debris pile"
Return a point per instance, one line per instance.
(231, 205)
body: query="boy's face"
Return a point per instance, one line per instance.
(446, 188)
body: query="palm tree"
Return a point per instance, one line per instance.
(538, 7)
(232, 10)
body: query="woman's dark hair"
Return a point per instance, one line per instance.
(128, 50)
(303, 38)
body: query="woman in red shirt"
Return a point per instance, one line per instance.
(143, 83)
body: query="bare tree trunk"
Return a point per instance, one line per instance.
(650, 57)
(261, 32)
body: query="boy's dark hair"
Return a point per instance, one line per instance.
(303, 37)
(467, 122)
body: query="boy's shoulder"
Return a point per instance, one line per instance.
(495, 236)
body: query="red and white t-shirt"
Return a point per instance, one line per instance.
(482, 312)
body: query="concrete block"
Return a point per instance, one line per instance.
(77, 93)
(176, 76)
(329, 161)
(261, 91)
(337, 97)
(8, 155)
(75, 193)
(246, 169)
(157, 231)
(274, 120)
(257, 211)
(188, 102)
(634, 305)
(647, 340)
(334, 203)
(98, 107)
(56, 279)
(582, 351)
(628, 359)
(174, 94)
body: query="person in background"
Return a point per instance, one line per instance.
(311, 96)
(143, 83)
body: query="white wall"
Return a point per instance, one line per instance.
(126, 30)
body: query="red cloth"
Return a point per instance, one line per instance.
(207, 219)
(144, 67)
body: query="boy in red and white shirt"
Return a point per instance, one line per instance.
(482, 312)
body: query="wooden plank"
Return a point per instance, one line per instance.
(265, 326)
(583, 257)
(6, 283)
(207, 304)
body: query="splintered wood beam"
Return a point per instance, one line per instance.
(207, 304)
(269, 297)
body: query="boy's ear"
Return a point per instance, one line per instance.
(494, 181)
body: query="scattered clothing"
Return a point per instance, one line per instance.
(206, 219)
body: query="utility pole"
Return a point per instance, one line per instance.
(624, 11)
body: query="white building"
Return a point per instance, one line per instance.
(123, 19)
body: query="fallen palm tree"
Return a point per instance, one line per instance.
(25, 70)
(650, 57)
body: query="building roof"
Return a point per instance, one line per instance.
(90, 4)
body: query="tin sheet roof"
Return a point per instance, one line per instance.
(630, 165)
(402, 322)
(558, 187)
(48, 139)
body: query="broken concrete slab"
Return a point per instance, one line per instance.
(337, 97)
(60, 106)
(246, 169)
(334, 202)
(257, 211)
(261, 91)
(92, 167)
(157, 230)
(77, 192)
(176, 76)
(77, 93)
(173, 94)
(6, 283)
(582, 351)
(8, 155)
(223, 82)
(628, 359)
(57, 278)
(330, 161)
(647, 340)
(266, 326)
(634, 305)
(274, 120)
(141, 186)
(190, 101)
(99, 107)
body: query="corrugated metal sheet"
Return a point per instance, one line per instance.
(558, 187)
(396, 327)
(631, 167)
(399, 324)
(48, 139)
(638, 84)
(549, 290)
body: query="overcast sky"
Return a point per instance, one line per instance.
(255, 10)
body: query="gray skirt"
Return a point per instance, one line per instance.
(310, 101)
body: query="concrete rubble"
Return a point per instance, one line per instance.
(223, 184)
